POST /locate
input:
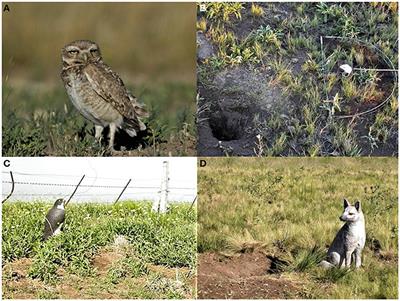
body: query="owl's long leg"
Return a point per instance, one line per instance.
(113, 129)
(99, 131)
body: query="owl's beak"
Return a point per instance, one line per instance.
(85, 56)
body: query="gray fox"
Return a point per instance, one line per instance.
(349, 240)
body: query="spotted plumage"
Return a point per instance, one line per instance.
(99, 93)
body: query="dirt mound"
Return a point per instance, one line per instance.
(15, 280)
(245, 265)
(246, 276)
(19, 268)
(103, 260)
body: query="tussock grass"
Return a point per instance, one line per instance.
(334, 274)
(307, 259)
(290, 208)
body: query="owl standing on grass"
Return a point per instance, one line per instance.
(98, 93)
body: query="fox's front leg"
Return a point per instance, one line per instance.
(357, 255)
(342, 261)
(348, 258)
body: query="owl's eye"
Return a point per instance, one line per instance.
(73, 51)
(93, 50)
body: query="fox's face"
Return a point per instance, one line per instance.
(351, 213)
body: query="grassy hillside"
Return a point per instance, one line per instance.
(290, 208)
(126, 249)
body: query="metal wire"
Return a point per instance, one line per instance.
(93, 186)
(78, 194)
(12, 188)
(76, 176)
(140, 191)
(385, 59)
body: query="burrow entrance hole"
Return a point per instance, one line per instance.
(228, 126)
(232, 118)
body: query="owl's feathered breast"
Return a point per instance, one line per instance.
(85, 98)
(99, 93)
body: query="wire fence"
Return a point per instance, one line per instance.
(48, 186)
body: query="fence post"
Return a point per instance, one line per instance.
(76, 188)
(122, 192)
(164, 184)
(161, 204)
(12, 188)
(194, 201)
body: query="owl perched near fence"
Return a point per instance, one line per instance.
(98, 93)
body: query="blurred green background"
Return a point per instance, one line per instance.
(150, 45)
(154, 40)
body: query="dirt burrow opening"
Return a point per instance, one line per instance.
(244, 276)
(234, 98)
(230, 121)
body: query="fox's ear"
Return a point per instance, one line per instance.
(346, 203)
(358, 205)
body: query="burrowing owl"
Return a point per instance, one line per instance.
(54, 219)
(99, 93)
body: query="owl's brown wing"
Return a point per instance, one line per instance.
(109, 86)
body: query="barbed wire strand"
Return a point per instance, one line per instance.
(154, 191)
(95, 177)
(93, 186)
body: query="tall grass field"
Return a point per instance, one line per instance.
(290, 208)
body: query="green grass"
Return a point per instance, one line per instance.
(290, 208)
(167, 241)
(39, 123)
(127, 266)
(292, 43)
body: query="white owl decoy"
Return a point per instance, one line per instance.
(98, 93)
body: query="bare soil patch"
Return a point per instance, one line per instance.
(17, 284)
(246, 276)
(238, 96)
(103, 260)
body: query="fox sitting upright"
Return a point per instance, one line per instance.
(350, 239)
